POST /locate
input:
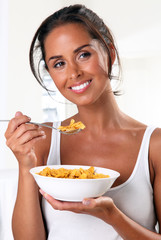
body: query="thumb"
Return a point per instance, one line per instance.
(98, 202)
(18, 114)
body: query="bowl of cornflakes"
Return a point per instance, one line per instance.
(74, 182)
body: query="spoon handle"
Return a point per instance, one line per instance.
(39, 124)
(43, 125)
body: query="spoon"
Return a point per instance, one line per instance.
(68, 132)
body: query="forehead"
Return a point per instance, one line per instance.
(71, 35)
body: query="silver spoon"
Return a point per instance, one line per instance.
(69, 132)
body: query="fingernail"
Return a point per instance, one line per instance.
(45, 195)
(41, 191)
(86, 202)
(17, 114)
(42, 132)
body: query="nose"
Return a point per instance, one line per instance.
(74, 71)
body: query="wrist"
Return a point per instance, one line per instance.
(26, 178)
(26, 163)
(112, 214)
(115, 216)
(24, 170)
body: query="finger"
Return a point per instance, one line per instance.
(23, 128)
(29, 135)
(17, 114)
(100, 202)
(25, 138)
(20, 131)
(62, 205)
(15, 123)
(27, 147)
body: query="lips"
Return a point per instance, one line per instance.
(81, 87)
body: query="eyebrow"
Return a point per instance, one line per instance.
(75, 51)
(83, 46)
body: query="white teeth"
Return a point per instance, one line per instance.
(81, 86)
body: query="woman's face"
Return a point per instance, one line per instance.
(73, 63)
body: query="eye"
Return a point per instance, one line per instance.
(84, 55)
(59, 64)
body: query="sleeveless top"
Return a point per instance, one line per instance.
(134, 198)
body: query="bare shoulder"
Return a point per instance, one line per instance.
(155, 141)
(155, 160)
(155, 148)
(42, 146)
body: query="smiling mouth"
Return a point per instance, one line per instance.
(81, 86)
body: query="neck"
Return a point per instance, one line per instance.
(102, 114)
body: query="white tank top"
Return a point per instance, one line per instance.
(134, 198)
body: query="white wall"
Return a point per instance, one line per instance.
(3, 75)
(136, 26)
(142, 89)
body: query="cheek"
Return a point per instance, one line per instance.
(97, 67)
(57, 79)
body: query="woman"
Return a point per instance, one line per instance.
(79, 53)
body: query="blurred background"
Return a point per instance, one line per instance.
(136, 26)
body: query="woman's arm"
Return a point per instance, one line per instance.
(27, 217)
(27, 222)
(104, 208)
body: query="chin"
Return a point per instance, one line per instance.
(85, 102)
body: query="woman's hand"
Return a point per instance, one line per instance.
(102, 207)
(21, 137)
